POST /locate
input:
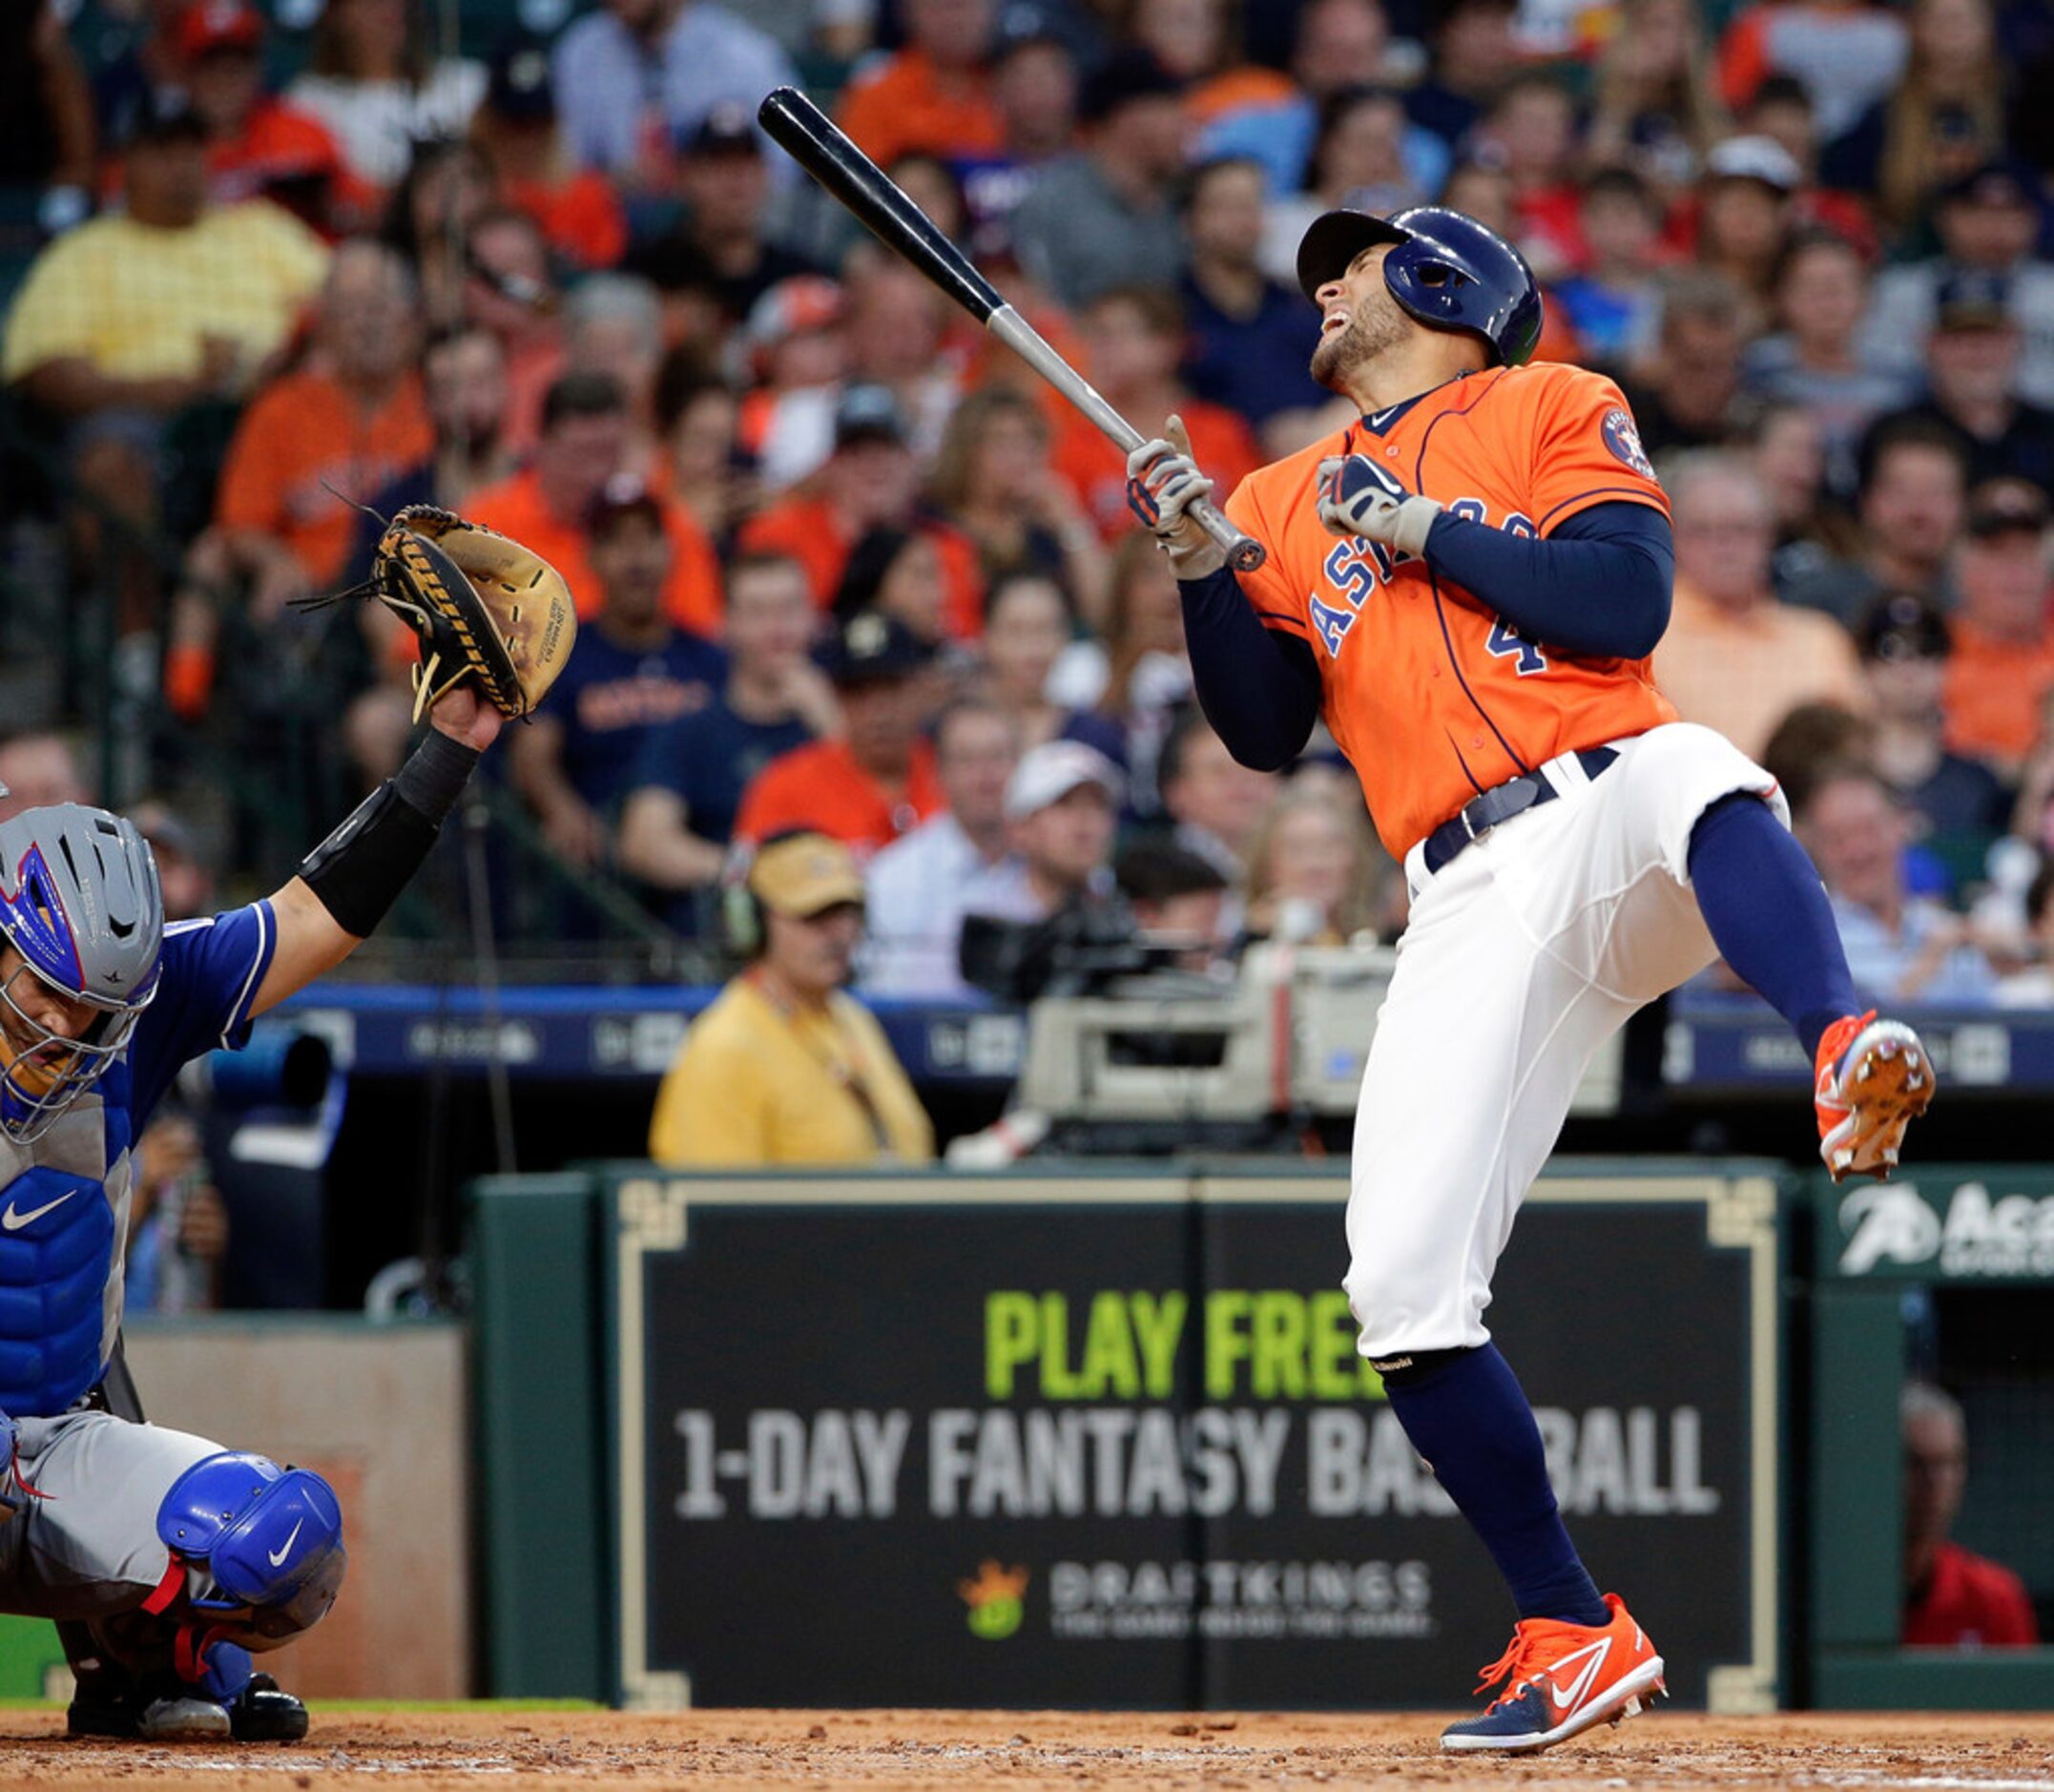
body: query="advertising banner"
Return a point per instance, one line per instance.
(1979, 1223)
(1106, 1441)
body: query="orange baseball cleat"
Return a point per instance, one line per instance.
(1874, 1080)
(1560, 1679)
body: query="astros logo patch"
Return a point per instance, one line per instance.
(1623, 441)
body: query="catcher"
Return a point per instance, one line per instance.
(165, 1559)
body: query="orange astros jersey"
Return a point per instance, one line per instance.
(1433, 698)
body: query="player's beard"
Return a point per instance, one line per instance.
(1376, 325)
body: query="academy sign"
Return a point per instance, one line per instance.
(2000, 1225)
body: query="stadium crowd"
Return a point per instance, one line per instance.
(844, 567)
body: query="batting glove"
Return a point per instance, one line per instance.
(1358, 497)
(1163, 482)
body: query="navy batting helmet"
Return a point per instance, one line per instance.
(1447, 270)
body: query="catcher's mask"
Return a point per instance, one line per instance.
(80, 905)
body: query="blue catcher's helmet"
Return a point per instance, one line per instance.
(79, 902)
(1444, 268)
(268, 1539)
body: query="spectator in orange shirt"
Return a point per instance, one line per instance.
(2002, 664)
(575, 207)
(870, 481)
(318, 440)
(878, 779)
(932, 95)
(259, 147)
(584, 443)
(1133, 338)
(1953, 1597)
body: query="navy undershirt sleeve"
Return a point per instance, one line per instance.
(1259, 687)
(1597, 588)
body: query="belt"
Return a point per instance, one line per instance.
(1500, 804)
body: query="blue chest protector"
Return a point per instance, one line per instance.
(59, 1237)
(64, 1199)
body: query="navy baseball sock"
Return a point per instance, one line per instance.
(1760, 895)
(1465, 1412)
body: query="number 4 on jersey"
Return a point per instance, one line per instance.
(1506, 641)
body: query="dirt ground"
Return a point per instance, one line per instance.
(919, 1749)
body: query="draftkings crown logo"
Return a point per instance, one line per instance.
(996, 1598)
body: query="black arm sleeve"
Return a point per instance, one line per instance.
(1259, 687)
(1598, 587)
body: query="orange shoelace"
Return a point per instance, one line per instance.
(1521, 1659)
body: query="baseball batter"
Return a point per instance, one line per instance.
(1466, 584)
(165, 1558)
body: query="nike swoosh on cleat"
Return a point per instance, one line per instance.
(1581, 1685)
(13, 1221)
(285, 1549)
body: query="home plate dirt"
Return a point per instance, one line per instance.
(1019, 1751)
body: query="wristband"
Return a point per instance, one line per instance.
(361, 869)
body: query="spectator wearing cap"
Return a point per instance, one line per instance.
(374, 79)
(1746, 210)
(631, 672)
(587, 432)
(1684, 397)
(1473, 55)
(1108, 216)
(875, 783)
(2003, 665)
(1960, 805)
(1944, 119)
(1988, 222)
(1971, 375)
(934, 95)
(1820, 292)
(1133, 337)
(633, 77)
(170, 301)
(870, 481)
(1735, 659)
(1246, 332)
(575, 208)
(724, 180)
(259, 146)
(1908, 505)
(1900, 948)
(1848, 54)
(1782, 111)
(958, 862)
(796, 345)
(688, 784)
(1062, 807)
(785, 1067)
(1615, 303)
(338, 431)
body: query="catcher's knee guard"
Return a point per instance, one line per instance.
(267, 1542)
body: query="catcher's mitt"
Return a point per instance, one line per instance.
(484, 607)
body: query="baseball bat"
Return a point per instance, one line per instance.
(818, 146)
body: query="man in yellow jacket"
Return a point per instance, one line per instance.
(785, 1068)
